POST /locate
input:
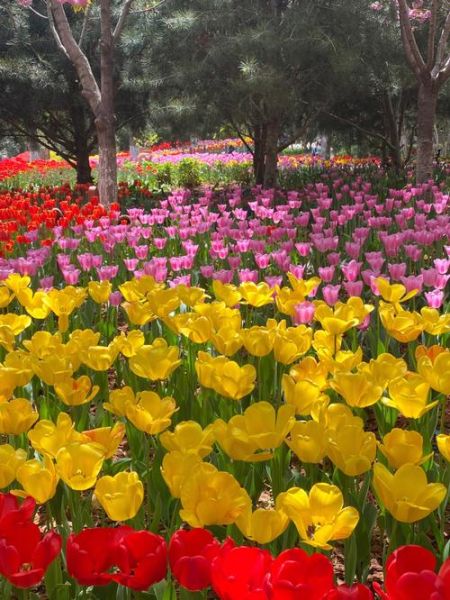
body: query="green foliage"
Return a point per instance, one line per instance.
(189, 174)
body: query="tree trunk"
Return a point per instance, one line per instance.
(426, 115)
(271, 155)
(259, 153)
(105, 120)
(84, 173)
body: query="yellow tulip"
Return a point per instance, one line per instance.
(263, 525)
(120, 496)
(433, 322)
(403, 326)
(5, 296)
(357, 389)
(136, 289)
(304, 385)
(256, 295)
(78, 464)
(63, 302)
(118, 401)
(335, 416)
(99, 291)
(233, 381)
(100, 358)
(150, 413)
(401, 447)
(163, 301)
(52, 369)
(7, 338)
(219, 315)
(211, 497)
(75, 392)
(226, 292)
(258, 341)
(409, 395)
(351, 449)
(138, 312)
(436, 372)
(34, 303)
(38, 479)
(291, 343)
(337, 320)
(308, 441)
(177, 467)
(43, 344)
(195, 327)
(385, 368)
(251, 436)
(48, 438)
(16, 323)
(108, 437)
(17, 416)
(10, 460)
(189, 438)
(303, 287)
(407, 495)
(394, 293)
(190, 296)
(227, 340)
(16, 282)
(320, 516)
(155, 362)
(340, 361)
(443, 444)
(129, 344)
(205, 367)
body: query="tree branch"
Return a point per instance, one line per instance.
(90, 88)
(432, 35)
(412, 51)
(121, 22)
(366, 132)
(442, 45)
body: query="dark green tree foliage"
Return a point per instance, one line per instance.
(267, 68)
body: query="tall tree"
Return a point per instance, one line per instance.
(98, 91)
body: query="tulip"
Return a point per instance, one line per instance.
(358, 389)
(120, 496)
(189, 438)
(410, 575)
(308, 441)
(211, 497)
(17, 416)
(155, 362)
(150, 413)
(100, 358)
(15, 323)
(320, 516)
(227, 293)
(409, 395)
(401, 447)
(227, 340)
(385, 368)
(63, 302)
(74, 392)
(52, 369)
(304, 384)
(39, 480)
(394, 293)
(351, 449)
(295, 574)
(99, 291)
(118, 401)
(443, 443)
(130, 343)
(256, 295)
(263, 525)
(251, 436)
(177, 468)
(403, 326)
(138, 312)
(191, 553)
(108, 437)
(407, 495)
(25, 554)
(34, 303)
(436, 372)
(291, 343)
(78, 464)
(10, 460)
(233, 381)
(48, 438)
(195, 327)
(358, 591)
(134, 559)
(240, 572)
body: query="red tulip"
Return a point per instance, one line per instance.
(354, 592)
(13, 511)
(238, 573)
(190, 556)
(139, 557)
(410, 575)
(25, 554)
(294, 574)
